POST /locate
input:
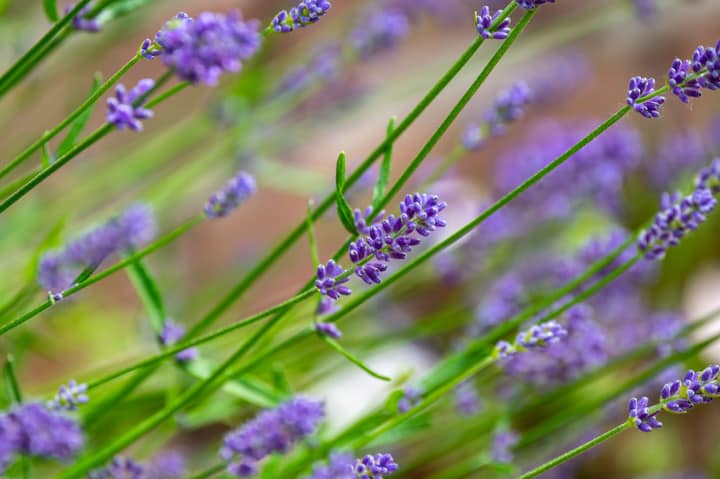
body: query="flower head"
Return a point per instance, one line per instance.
(45, 433)
(639, 88)
(537, 337)
(640, 416)
(120, 468)
(339, 466)
(304, 14)
(275, 430)
(70, 397)
(10, 441)
(125, 108)
(202, 49)
(374, 467)
(502, 444)
(241, 187)
(532, 4)
(328, 329)
(81, 22)
(171, 334)
(330, 280)
(484, 22)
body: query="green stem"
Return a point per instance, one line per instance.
(30, 54)
(176, 348)
(284, 245)
(160, 243)
(70, 118)
(48, 48)
(575, 452)
(210, 472)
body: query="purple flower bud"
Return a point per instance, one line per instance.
(81, 22)
(125, 109)
(170, 335)
(639, 88)
(69, 397)
(378, 466)
(241, 187)
(484, 22)
(503, 442)
(532, 4)
(306, 13)
(328, 329)
(330, 281)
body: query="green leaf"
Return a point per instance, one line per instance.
(46, 156)
(14, 185)
(353, 359)
(343, 207)
(384, 175)
(11, 382)
(250, 390)
(149, 293)
(77, 127)
(50, 7)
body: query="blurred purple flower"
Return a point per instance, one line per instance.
(171, 334)
(305, 13)
(502, 445)
(70, 396)
(378, 31)
(484, 22)
(237, 190)
(125, 109)
(81, 22)
(45, 433)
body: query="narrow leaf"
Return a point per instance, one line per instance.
(343, 207)
(311, 236)
(11, 382)
(77, 127)
(149, 293)
(384, 175)
(353, 359)
(250, 390)
(50, 7)
(9, 189)
(46, 156)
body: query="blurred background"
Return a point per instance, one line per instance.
(284, 118)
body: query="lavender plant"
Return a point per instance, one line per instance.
(509, 305)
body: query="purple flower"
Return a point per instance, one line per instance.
(202, 49)
(697, 387)
(10, 441)
(131, 229)
(537, 337)
(485, 20)
(275, 430)
(509, 107)
(639, 88)
(81, 22)
(125, 109)
(241, 187)
(339, 466)
(45, 433)
(532, 4)
(412, 396)
(378, 31)
(331, 280)
(502, 444)
(467, 400)
(680, 215)
(167, 465)
(328, 329)
(306, 13)
(170, 335)
(681, 81)
(706, 65)
(120, 468)
(640, 416)
(646, 8)
(326, 306)
(69, 397)
(374, 467)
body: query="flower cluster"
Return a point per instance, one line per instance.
(328, 329)
(58, 271)
(509, 107)
(81, 22)
(306, 13)
(412, 396)
(330, 280)
(638, 89)
(537, 337)
(467, 399)
(640, 415)
(272, 431)
(69, 397)
(120, 468)
(167, 465)
(502, 444)
(202, 49)
(342, 466)
(170, 335)
(687, 77)
(241, 187)
(378, 31)
(680, 214)
(125, 109)
(485, 21)
(34, 430)
(532, 4)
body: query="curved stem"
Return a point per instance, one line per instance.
(89, 102)
(575, 452)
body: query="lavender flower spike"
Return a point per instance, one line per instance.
(681, 81)
(120, 468)
(125, 109)
(484, 22)
(202, 49)
(331, 282)
(329, 330)
(81, 22)
(241, 187)
(639, 415)
(641, 87)
(378, 466)
(537, 337)
(275, 430)
(70, 397)
(533, 4)
(306, 12)
(45, 433)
